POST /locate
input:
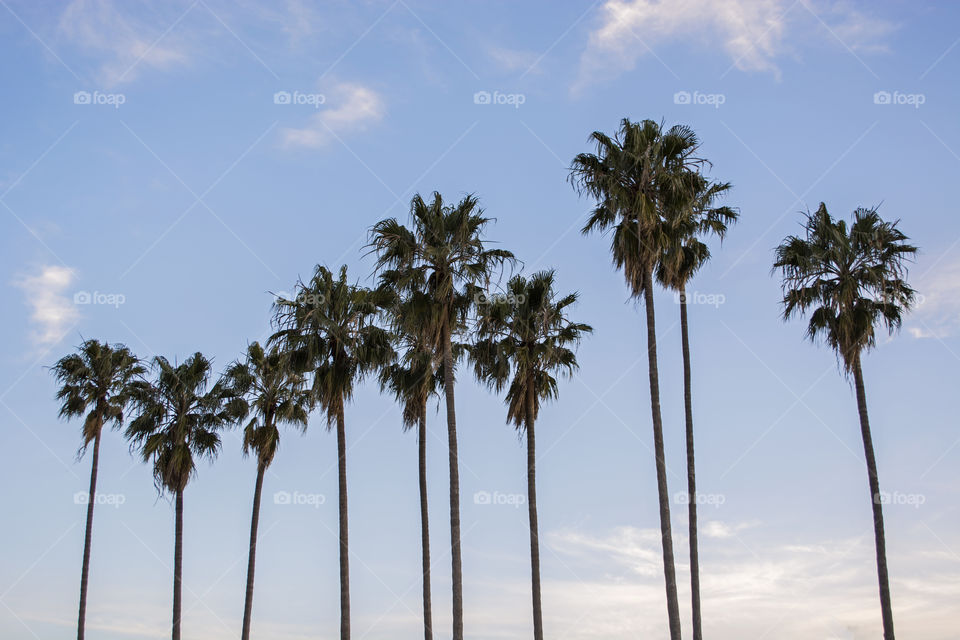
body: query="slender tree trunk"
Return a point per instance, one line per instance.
(178, 565)
(252, 559)
(457, 572)
(885, 605)
(344, 546)
(691, 470)
(425, 527)
(85, 571)
(532, 511)
(669, 571)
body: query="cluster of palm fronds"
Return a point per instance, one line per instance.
(442, 298)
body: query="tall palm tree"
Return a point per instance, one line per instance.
(634, 176)
(97, 380)
(178, 422)
(692, 217)
(851, 279)
(265, 384)
(329, 329)
(525, 338)
(417, 376)
(445, 255)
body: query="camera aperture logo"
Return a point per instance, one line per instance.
(99, 98)
(499, 98)
(299, 98)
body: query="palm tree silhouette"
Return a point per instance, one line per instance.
(266, 385)
(445, 255)
(98, 378)
(178, 421)
(524, 339)
(851, 279)
(329, 330)
(634, 176)
(693, 216)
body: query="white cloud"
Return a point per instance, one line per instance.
(355, 107)
(753, 33)
(750, 587)
(127, 43)
(723, 530)
(52, 311)
(937, 314)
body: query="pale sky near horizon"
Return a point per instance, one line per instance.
(165, 168)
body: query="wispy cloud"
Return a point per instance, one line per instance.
(126, 43)
(611, 586)
(937, 314)
(752, 33)
(52, 312)
(354, 108)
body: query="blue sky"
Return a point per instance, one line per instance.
(149, 168)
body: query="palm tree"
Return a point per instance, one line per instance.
(329, 329)
(681, 258)
(445, 255)
(97, 378)
(178, 422)
(851, 279)
(267, 385)
(634, 177)
(524, 338)
(417, 376)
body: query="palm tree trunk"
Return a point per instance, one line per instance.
(457, 572)
(425, 526)
(669, 571)
(252, 559)
(344, 546)
(532, 511)
(885, 605)
(85, 571)
(178, 565)
(691, 470)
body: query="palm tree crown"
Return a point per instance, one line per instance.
(98, 377)
(524, 337)
(329, 329)
(692, 217)
(179, 419)
(635, 176)
(852, 278)
(266, 385)
(443, 256)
